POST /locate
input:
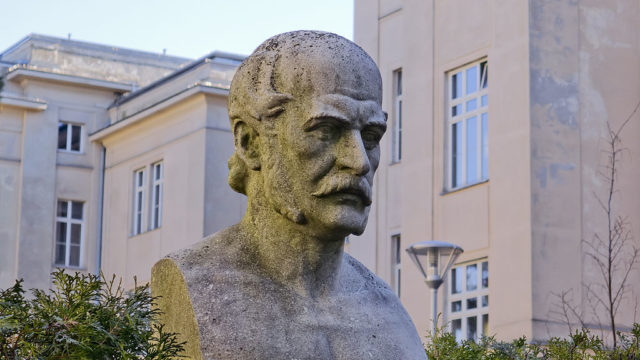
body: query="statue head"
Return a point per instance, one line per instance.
(305, 111)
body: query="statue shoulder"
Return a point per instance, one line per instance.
(213, 252)
(361, 278)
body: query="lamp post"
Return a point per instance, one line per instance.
(433, 259)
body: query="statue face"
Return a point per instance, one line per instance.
(326, 148)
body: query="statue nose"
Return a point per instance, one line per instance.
(353, 155)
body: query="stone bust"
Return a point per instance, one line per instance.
(306, 116)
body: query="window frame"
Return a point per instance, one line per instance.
(480, 311)
(458, 157)
(69, 140)
(157, 186)
(396, 141)
(139, 203)
(69, 220)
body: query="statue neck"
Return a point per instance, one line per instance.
(291, 254)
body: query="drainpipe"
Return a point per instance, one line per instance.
(100, 211)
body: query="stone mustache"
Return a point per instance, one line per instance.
(306, 116)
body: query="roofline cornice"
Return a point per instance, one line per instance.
(197, 88)
(22, 102)
(19, 72)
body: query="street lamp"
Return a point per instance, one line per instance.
(434, 259)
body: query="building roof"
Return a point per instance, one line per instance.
(219, 57)
(19, 52)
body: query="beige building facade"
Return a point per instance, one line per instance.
(496, 139)
(78, 122)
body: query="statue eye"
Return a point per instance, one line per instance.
(326, 130)
(371, 138)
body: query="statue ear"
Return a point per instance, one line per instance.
(247, 144)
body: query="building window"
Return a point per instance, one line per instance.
(396, 252)
(468, 301)
(396, 153)
(156, 195)
(69, 137)
(468, 125)
(69, 234)
(138, 201)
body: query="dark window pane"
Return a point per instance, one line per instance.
(472, 328)
(399, 130)
(484, 71)
(456, 85)
(156, 217)
(76, 230)
(76, 210)
(472, 277)
(75, 137)
(456, 329)
(456, 306)
(484, 100)
(62, 209)
(140, 178)
(60, 254)
(456, 156)
(456, 281)
(139, 223)
(399, 278)
(472, 303)
(485, 274)
(74, 257)
(62, 136)
(485, 301)
(485, 324)
(61, 233)
(399, 82)
(455, 110)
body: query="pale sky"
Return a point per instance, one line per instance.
(187, 28)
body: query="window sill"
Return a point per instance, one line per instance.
(395, 162)
(74, 268)
(71, 152)
(449, 191)
(145, 232)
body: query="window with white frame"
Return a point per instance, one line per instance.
(468, 301)
(69, 137)
(468, 125)
(69, 233)
(396, 265)
(138, 201)
(396, 152)
(156, 195)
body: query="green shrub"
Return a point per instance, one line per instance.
(580, 345)
(83, 317)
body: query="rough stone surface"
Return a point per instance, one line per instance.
(306, 115)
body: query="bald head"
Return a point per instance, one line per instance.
(296, 65)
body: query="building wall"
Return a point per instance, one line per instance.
(426, 40)
(557, 72)
(584, 73)
(38, 175)
(11, 125)
(187, 137)
(48, 80)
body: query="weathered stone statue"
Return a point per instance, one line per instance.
(306, 116)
